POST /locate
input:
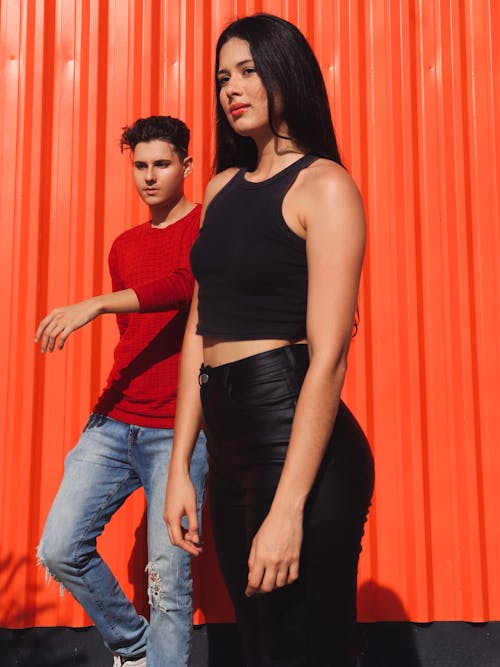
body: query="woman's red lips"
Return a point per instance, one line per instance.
(238, 109)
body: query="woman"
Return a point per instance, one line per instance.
(278, 262)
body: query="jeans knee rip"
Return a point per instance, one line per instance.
(154, 585)
(165, 596)
(48, 574)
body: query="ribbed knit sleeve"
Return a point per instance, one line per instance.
(174, 290)
(170, 293)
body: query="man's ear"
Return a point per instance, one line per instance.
(187, 163)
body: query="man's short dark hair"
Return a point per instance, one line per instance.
(165, 128)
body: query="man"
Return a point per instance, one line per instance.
(128, 438)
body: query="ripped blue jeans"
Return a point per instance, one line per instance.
(110, 461)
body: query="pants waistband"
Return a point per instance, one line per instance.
(292, 356)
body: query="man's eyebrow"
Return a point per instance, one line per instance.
(160, 159)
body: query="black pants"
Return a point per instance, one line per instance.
(248, 408)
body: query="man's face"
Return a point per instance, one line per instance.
(159, 173)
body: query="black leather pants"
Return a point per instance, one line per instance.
(248, 408)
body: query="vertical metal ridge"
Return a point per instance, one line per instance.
(415, 94)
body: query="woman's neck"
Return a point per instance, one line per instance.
(274, 155)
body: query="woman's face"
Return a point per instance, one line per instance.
(243, 96)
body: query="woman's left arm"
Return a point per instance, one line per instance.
(331, 212)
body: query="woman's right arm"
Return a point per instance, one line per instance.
(180, 497)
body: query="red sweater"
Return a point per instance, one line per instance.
(142, 386)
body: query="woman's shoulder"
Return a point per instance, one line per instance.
(328, 182)
(215, 185)
(327, 173)
(218, 182)
(325, 191)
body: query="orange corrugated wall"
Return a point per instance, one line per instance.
(415, 93)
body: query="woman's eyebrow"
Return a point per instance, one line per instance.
(240, 64)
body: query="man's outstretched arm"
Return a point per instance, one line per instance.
(61, 322)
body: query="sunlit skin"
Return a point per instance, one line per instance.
(159, 176)
(324, 207)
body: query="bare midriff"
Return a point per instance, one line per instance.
(217, 352)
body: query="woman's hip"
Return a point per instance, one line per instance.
(249, 407)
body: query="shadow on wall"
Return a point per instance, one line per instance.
(14, 613)
(390, 644)
(137, 567)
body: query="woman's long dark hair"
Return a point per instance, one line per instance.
(286, 63)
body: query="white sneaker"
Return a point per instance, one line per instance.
(123, 662)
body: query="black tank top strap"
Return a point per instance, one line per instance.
(286, 175)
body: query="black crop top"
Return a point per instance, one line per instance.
(250, 266)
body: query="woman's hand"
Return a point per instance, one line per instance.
(275, 553)
(180, 502)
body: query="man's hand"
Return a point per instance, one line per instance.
(58, 324)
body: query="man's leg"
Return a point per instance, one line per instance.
(97, 479)
(169, 567)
